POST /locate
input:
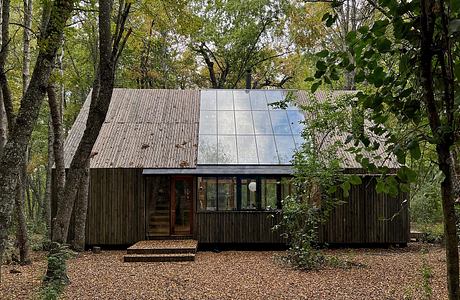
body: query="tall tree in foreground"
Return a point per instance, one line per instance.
(110, 48)
(12, 157)
(410, 59)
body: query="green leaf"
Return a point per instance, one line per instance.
(383, 45)
(380, 186)
(322, 54)
(321, 65)
(414, 149)
(355, 180)
(309, 79)
(315, 86)
(346, 188)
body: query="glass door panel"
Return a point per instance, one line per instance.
(182, 205)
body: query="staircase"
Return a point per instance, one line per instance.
(159, 219)
(162, 251)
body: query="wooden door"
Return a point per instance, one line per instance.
(182, 205)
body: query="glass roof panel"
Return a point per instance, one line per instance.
(225, 122)
(286, 147)
(243, 120)
(280, 122)
(296, 118)
(262, 123)
(247, 150)
(238, 127)
(208, 100)
(266, 149)
(258, 101)
(241, 100)
(208, 122)
(226, 149)
(224, 100)
(207, 149)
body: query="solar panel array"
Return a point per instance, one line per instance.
(241, 127)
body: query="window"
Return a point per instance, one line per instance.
(207, 193)
(240, 127)
(242, 193)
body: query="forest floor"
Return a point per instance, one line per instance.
(394, 273)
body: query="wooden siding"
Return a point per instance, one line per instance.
(116, 208)
(368, 218)
(237, 227)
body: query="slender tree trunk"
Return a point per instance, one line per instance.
(444, 141)
(81, 207)
(26, 44)
(109, 51)
(58, 144)
(3, 125)
(49, 168)
(21, 231)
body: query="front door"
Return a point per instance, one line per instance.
(181, 205)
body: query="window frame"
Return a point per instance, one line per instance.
(239, 178)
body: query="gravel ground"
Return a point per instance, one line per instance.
(26, 283)
(387, 274)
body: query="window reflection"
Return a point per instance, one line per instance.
(207, 149)
(226, 193)
(266, 149)
(208, 122)
(244, 122)
(247, 150)
(248, 196)
(295, 120)
(280, 122)
(208, 100)
(225, 122)
(224, 100)
(286, 147)
(207, 193)
(241, 100)
(227, 149)
(262, 122)
(258, 101)
(269, 193)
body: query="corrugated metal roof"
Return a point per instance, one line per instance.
(143, 129)
(147, 128)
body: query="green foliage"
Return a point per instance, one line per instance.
(427, 274)
(56, 275)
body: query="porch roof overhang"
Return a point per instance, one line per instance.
(224, 170)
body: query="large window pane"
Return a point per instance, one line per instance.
(226, 193)
(286, 187)
(241, 100)
(258, 101)
(247, 150)
(266, 149)
(298, 141)
(295, 120)
(207, 193)
(244, 122)
(227, 149)
(208, 122)
(224, 100)
(262, 123)
(208, 100)
(207, 149)
(280, 122)
(225, 122)
(269, 193)
(248, 193)
(286, 148)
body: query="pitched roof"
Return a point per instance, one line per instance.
(147, 128)
(143, 129)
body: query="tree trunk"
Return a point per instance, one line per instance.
(100, 101)
(49, 168)
(26, 44)
(81, 207)
(21, 231)
(58, 143)
(12, 157)
(3, 125)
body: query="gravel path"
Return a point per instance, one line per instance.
(388, 274)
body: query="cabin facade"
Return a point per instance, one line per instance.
(212, 165)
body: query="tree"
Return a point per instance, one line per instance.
(110, 49)
(409, 60)
(12, 157)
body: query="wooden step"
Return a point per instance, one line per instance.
(161, 250)
(159, 257)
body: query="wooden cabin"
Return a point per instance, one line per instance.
(212, 165)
